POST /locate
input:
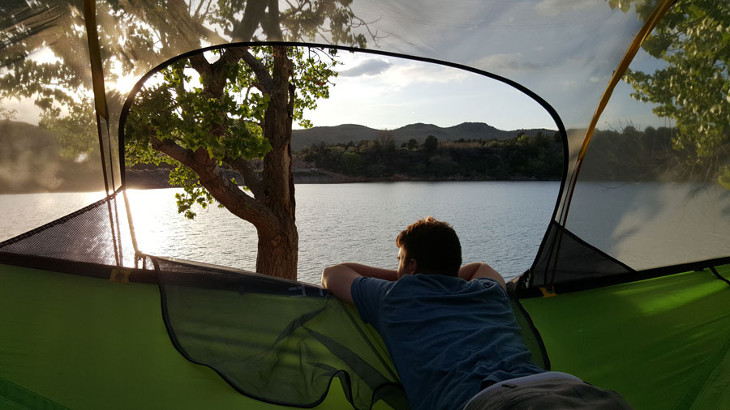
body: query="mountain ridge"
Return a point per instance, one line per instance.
(345, 133)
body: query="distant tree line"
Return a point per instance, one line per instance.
(625, 155)
(522, 157)
(650, 155)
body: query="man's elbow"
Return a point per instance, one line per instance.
(327, 274)
(338, 280)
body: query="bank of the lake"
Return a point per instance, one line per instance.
(152, 178)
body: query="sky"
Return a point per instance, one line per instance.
(565, 51)
(554, 47)
(387, 93)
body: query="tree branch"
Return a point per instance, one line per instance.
(259, 69)
(250, 178)
(292, 100)
(253, 14)
(271, 24)
(200, 64)
(213, 179)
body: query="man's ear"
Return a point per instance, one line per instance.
(412, 267)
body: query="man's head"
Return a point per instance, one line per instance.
(428, 246)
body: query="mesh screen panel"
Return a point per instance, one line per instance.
(276, 340)
(98, 233)
(570, 259)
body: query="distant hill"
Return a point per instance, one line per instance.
(31, 161)
(332, 135)
(342, 134)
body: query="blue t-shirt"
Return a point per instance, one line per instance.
(446, 335)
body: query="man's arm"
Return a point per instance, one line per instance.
(338, 279)
(481, 270)
(372, 272)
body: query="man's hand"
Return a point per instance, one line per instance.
(481, 270)
(338, 279)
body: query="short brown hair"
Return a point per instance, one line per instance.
(433, 244)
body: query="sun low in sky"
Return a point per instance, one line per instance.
(384, 92)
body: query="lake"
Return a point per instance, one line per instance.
(501, 223)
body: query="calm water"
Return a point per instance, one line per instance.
(501, 223)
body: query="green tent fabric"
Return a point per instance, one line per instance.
(14, 397)
(73, 338)
(73, 341)
(274, 340)
(224, 320)
(664, 343)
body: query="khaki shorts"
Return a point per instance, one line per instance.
(546, 393)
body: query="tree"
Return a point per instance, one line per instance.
(351, 162)
(286, 81)
(412, 144)
(386, 140)
(238, 117)
(441, 165)
(430, 144)
(693, 88)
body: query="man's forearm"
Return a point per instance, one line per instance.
(477, 269)
(467, 271)
(373, 272)
(338, 278)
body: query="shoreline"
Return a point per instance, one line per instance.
(159, 179)
(327, 177)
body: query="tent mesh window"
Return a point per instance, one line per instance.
(97, 234)
(225, 319)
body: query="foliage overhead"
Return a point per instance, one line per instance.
(209, 117)
(692, 87)
(180, 107)
(135, 39)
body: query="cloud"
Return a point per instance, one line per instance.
(507, 63)
(554, 8)
(367, 67)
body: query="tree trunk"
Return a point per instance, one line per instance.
(279, 245)
(277, 253)
(272, 208)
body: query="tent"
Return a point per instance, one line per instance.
(626, 291)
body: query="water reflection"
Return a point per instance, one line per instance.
(651, 224)
(23, 212)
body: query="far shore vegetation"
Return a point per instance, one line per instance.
(533, 157)
(626, 155)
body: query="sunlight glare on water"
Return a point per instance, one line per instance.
(23, 212)
(501, 223)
